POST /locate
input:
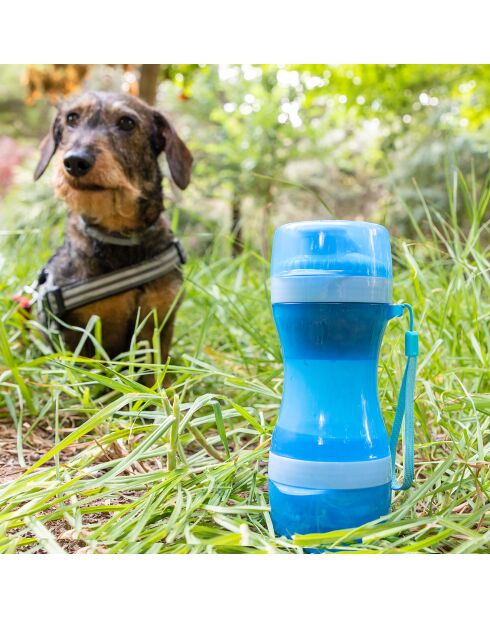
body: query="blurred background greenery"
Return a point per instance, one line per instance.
(282, 142)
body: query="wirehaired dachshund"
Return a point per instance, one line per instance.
(105, 149)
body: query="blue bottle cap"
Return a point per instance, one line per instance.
(331, 261)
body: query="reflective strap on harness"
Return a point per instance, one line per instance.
(59, 300)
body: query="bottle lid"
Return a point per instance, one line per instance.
(331, 261)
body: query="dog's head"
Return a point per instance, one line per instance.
(107, 147)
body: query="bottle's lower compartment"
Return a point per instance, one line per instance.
(303, 511)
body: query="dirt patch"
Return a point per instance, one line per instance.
(34, 445)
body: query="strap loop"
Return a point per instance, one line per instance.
(404, 408)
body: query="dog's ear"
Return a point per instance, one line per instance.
(48, 146)
(178, 155)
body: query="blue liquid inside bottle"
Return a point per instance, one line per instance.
(330, 413)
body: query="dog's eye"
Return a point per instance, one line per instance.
(125, 123)
(72, 119)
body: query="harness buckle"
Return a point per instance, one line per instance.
(180, 250)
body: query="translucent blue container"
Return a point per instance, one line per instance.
(330, 463)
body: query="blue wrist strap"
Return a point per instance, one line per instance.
(404, 408)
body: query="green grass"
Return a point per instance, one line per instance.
(111, 466)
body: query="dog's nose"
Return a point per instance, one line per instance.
(78, 163)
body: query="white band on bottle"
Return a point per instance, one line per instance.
(329, 474)
(330, 289)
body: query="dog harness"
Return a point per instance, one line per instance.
(58, 300)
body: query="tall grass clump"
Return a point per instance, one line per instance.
(97, 462)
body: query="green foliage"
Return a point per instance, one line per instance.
(362, 133)
(127, 469)
(242, 136)
(17, 119)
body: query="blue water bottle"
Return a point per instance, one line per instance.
(331, 464)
